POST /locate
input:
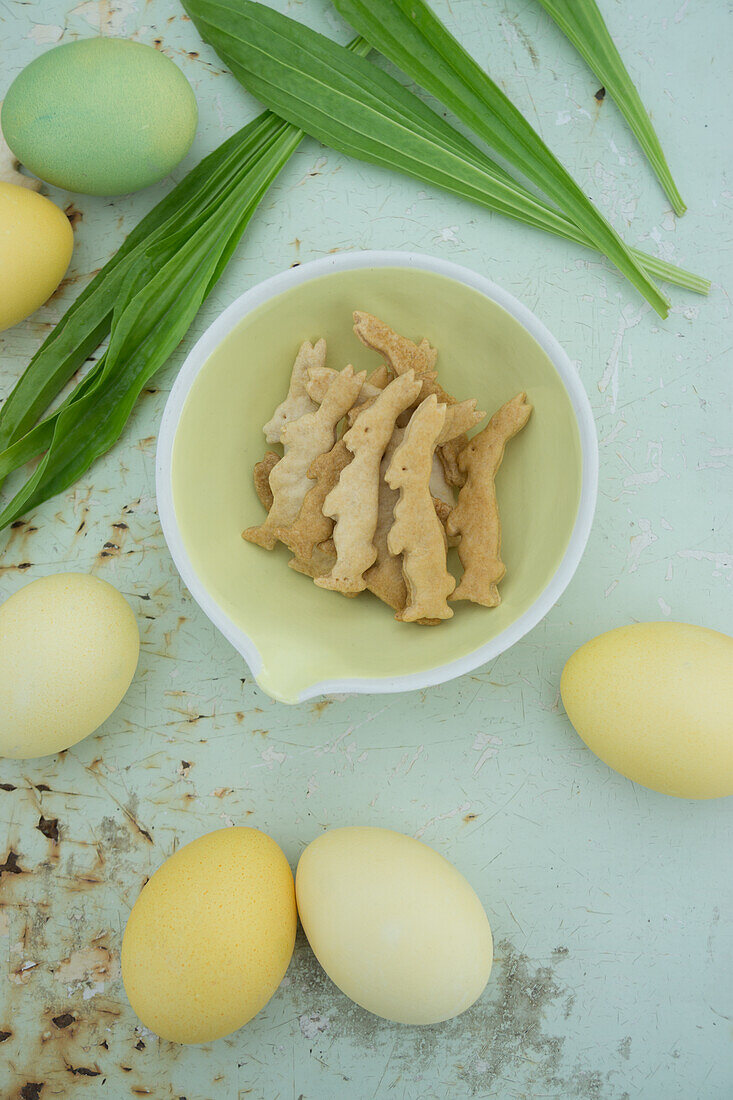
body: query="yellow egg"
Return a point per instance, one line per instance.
(655, 702)
(36, 242)
(393, 924)
(69, 646)
(210, 937)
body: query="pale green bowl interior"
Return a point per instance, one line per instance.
(306, 635)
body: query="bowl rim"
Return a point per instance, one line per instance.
(252, 299)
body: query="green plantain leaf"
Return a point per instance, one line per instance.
(348, 103)
(583, 24)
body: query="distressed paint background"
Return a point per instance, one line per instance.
(611, 906)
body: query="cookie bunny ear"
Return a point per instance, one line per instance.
(459, 419)
(401, 354)
(298, 402)
(320, 378)
(354, 502)
(304, 440)
(418, 445)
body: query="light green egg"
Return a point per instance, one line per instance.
(103, 116)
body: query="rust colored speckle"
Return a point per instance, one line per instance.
(193, 54)
(73, 214)
(42, 787)
(470, 817)
(11, 866)
(138, 826)
(600, 95)
(4, 1035)
(63, 1020)
(31, 1090)
(49, 826)
(139, 1045)
(84, 1071)
(7, 787)
(121, 526)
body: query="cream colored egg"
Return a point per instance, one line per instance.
(655, 702)
(393, 924)
(36, 242)
(210, 937)
(69, 646)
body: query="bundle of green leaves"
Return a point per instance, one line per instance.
(148, 294)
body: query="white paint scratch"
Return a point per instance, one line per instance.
(45, 34)
(629, 319)
(488, 746)
(723, 563)
(462, 809)
(313, 1026)
(104, 16)
(447, 235)
(640, 543)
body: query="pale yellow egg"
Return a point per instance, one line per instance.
(36, 242)
(393, 924)
(655, 702)
(210, 937)
(69, 646)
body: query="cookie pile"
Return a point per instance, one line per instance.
(374, 508)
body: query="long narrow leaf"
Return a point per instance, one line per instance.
(410, 35)
(38, 438)
(350, 104)
(391, 99)
(153, 316)
(584, 25)
(87, 321)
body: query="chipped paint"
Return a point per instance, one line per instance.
(45, 34)
(108, 17)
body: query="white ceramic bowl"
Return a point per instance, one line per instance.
(231, 618)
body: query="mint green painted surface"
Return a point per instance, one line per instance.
(100, 116)
(610, 905)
